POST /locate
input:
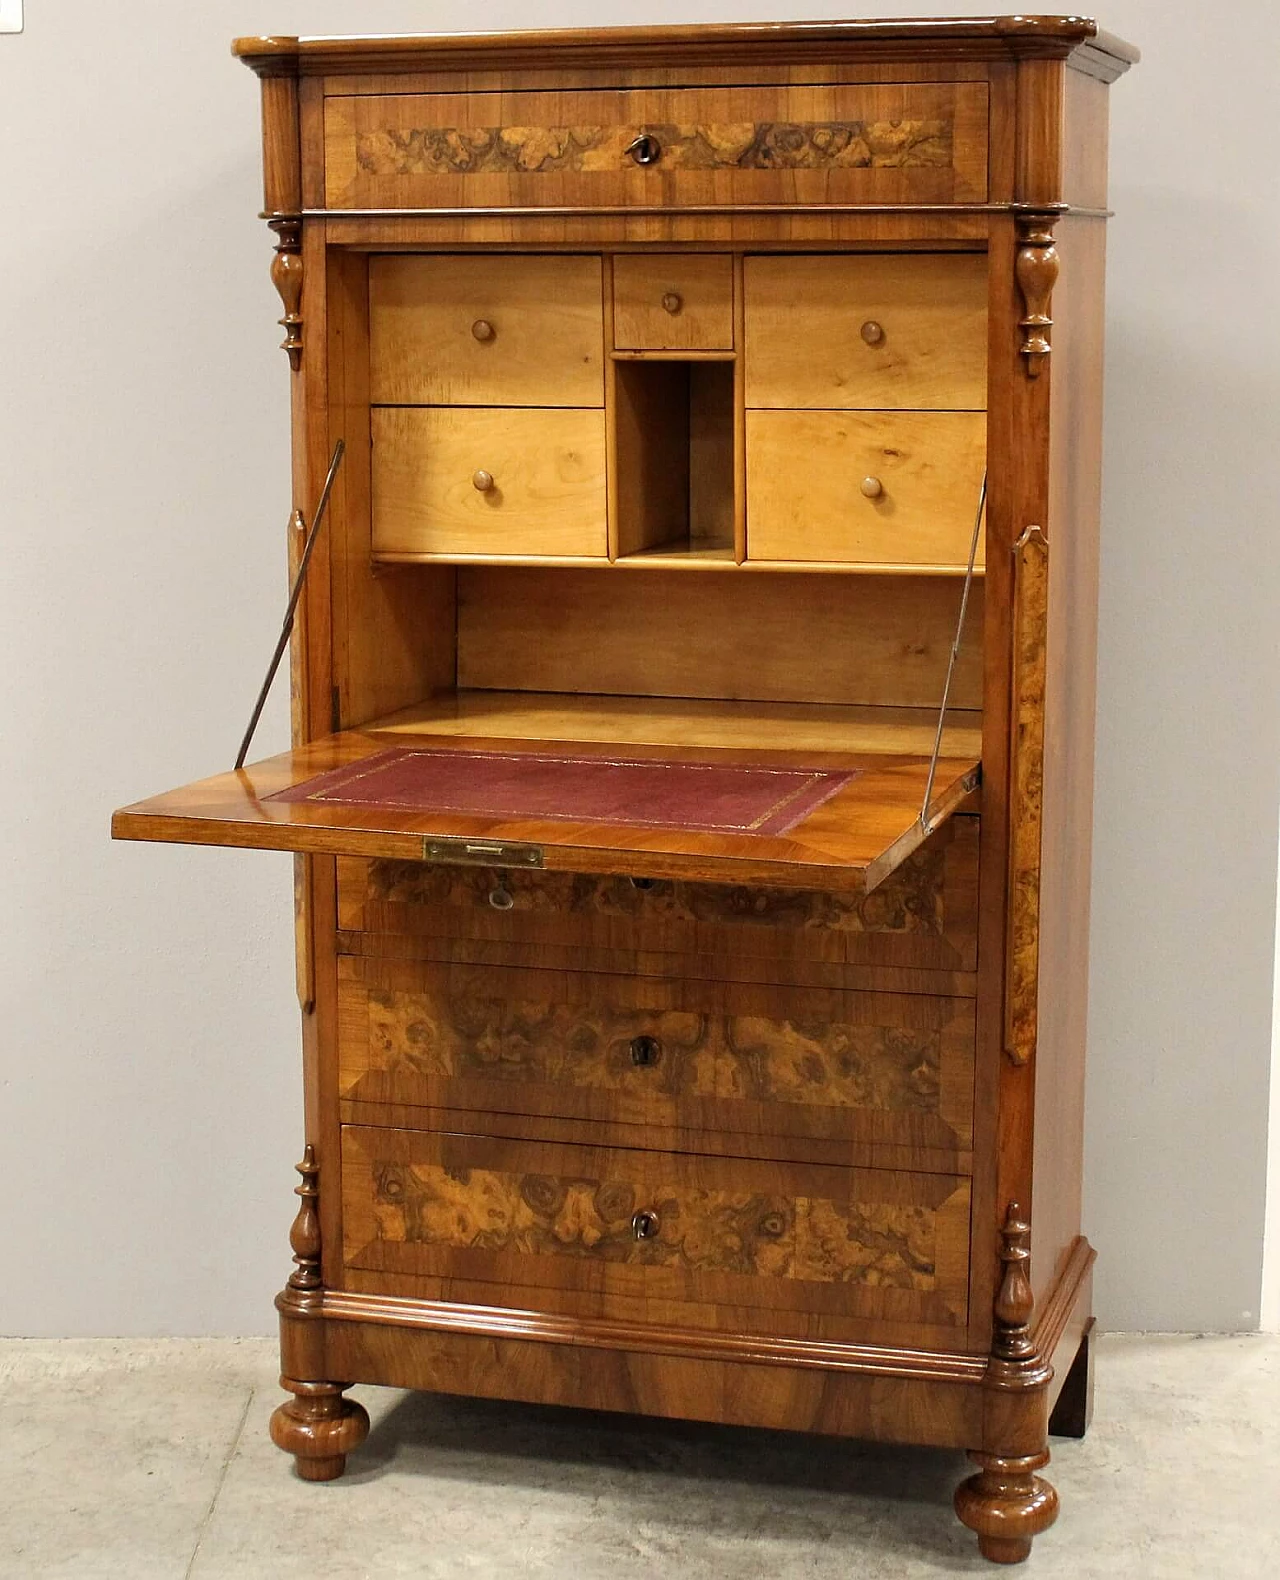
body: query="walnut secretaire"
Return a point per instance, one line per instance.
(693, 714)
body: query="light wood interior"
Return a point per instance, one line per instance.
(870, 641)
(870, 487)
(876, 331)
(673, 301)
(675, 458)
(488, 480)
(542, 318)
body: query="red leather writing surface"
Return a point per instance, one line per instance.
(717, 798)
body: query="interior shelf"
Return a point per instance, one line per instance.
(857, 833)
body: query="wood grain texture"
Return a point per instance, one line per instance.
(672, 634)
(788, 1239)
(852, 842)
(673, 301)
(547, 488)
(706, 145)
(651, 427)
(807, 475)
(874, 1068)
(804, 341)
(829, 1130)
(392, 629)
(876, 142)
(376, 1339)
(909, 44)
(686, 721)
(924, 916)
(1031, 590)
(546, 330)
(1075, 456)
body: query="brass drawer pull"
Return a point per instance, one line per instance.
(482, 329)
(672, 302)
(872, 487)
(483, 480)
(645, 1051)
(872, 332)
(645, 150)
(645, 1226)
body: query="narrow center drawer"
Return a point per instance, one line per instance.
(807, 1249)
(673, 301)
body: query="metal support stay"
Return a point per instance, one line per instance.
(295, 595)
(955, 653)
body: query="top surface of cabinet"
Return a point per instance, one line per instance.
(1010, 37)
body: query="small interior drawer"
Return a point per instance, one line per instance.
(673, 302)
(471, 480)
(890, 488)
(870, 331)
(447, 330)
(610, 1232)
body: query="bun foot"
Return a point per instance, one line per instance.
(1006, 1504)
(319, 1428)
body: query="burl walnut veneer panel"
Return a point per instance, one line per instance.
(797, 1242)
(912, 142)
(923, 917)
(875, 1068)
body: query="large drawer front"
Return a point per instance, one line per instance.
(922, 917)
(808, 1249)
(874, 1068)
(473, 480)
(897, 488)
(854, 143)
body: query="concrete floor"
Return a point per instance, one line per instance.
(150, 1461)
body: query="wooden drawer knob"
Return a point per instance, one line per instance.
(872, 332)
(645, 150)
(872, 487)
(673, 302)
(645, 1226)
(645, 1051)
(482, 329)
(484, 481)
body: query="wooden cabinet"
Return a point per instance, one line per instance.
(692, 725)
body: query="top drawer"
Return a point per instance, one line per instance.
(852, 143)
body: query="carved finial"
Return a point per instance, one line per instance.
(304, 1237)
(1014, 1300)
(1037, 271)
(286, 276)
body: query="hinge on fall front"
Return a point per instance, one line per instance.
(335, 711)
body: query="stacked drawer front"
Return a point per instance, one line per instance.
(872, 368)
(682, 1102)
(488, 424)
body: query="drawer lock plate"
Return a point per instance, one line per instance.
(480, 852)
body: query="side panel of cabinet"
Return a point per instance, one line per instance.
(1070, 699)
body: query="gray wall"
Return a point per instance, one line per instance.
(150, 1095)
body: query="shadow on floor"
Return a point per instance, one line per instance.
(684, 1474)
